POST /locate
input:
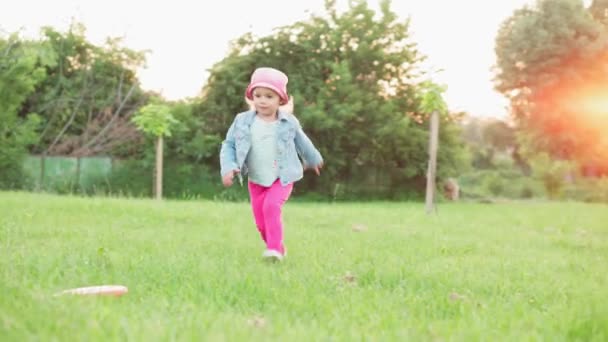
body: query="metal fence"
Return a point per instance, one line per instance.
(67, 172)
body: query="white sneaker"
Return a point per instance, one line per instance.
(272, 255)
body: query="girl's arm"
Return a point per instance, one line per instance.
(306, 149)
(228, 153)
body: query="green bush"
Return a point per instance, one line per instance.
(499, 183)
(494, 185)
(587, 190)
(13, 175)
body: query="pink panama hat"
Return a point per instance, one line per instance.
(268, 78)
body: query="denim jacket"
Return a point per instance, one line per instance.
(291, 143)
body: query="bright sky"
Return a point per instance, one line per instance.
(188, 37)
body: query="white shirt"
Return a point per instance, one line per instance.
(262, 158)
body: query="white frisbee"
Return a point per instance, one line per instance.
(102, 290)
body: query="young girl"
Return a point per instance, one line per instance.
(264, 143)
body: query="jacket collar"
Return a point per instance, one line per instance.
(250, 115)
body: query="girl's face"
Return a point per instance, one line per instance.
(266, 101)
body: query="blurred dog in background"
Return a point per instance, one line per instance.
(451, 190)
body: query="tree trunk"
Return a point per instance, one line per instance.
(432, 168)
(159, 168)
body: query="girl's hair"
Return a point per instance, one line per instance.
(288, 107)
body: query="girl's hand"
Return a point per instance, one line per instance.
(227, 179)
(317, 169)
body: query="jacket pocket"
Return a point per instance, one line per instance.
(288, 135)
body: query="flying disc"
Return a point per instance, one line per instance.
(102, 290)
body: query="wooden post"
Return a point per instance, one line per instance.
(42, 171)
(77, 184)
(432, 167)
(159, 168)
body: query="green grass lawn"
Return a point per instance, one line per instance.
(377, 271)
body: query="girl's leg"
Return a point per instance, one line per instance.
(257, 193)
(276, 196)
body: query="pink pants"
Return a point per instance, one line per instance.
(267, 203)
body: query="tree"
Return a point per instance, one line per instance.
(156, 120)
(488, 137)
(88, 97)
(22, 69)
(599, 11)
(552, 63)
(354, 79)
